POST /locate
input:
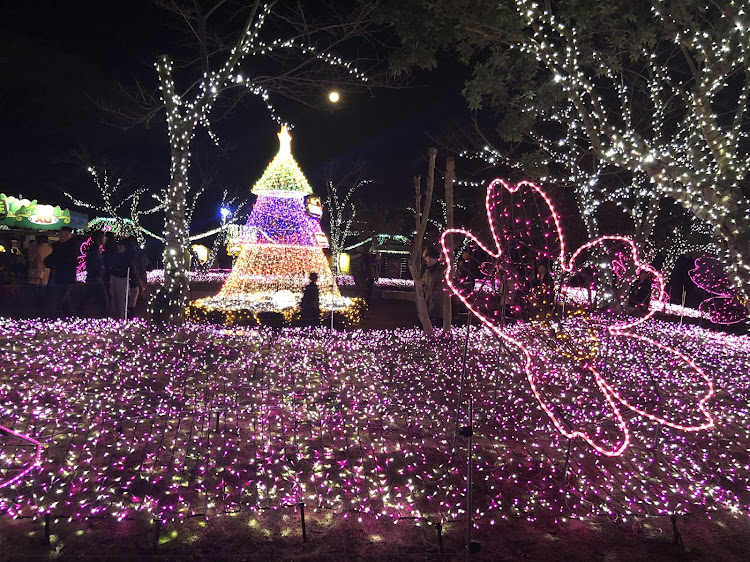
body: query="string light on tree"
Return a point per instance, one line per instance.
(699, 159)
(647, 101)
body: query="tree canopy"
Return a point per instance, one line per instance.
(654, 92)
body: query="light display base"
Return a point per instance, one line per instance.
(263, 310)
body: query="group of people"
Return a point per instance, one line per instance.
(115, 274)
(514, 293)
(433, 284)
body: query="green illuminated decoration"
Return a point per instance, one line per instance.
(283, 173)
(25, 213)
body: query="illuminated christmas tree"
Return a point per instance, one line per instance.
(282, 243)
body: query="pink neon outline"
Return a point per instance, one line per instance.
(610, 394)
(658, 295)
(726, 294)
(28, 469)
(721, 288)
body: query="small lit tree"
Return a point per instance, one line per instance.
(118, 200)
(341, 210)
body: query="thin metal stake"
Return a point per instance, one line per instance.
(676, 531)
(157, 532)
(497, 378)
(463, 379)
(470, 440)
(46, 527)
(332, 293)
(302, 519)
(127, 293)
(682, 309)
(567, 462)
(440, 536)
(656, 437)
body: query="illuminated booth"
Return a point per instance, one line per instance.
(25, 213)
(22, 219)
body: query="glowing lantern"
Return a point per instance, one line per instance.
(201, 252)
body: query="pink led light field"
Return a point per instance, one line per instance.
(193, 421)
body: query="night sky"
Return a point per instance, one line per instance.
(59, 57)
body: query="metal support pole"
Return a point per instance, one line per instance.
(332, 291)
(463, 379)
(127, 293)
(440, 536)
(46, 527)
(655, 386)
(157, 532)
(567, 462)
(469, 446)
(676, 531)
(302, 520)
(682, 308)
(497, 378)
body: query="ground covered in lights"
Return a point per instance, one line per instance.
(211, 432)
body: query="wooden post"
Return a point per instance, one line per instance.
(450, 176)
(421, 216)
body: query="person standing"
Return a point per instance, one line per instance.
(433, 283)
(62, 262)
(38, 273)
(360, 268)
(120, 271)
(138, 283)
(373, 274)
(310, 303)
(94, 288)
(108, 255)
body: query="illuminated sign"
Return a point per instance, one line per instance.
(43, 219)
(322, 239)
(314, 207)
(24, 213)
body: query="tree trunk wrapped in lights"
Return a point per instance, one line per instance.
(282, 243)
